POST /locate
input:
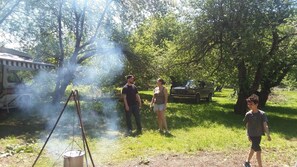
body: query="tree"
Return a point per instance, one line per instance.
(283, 62)
(151, 43)
(68, 32)
(247, 35)
(290, 81)
(7, 8)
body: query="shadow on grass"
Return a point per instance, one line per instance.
(187, 115)
(282, 120)
(205, 114)
(284, 126)
(99, 124)
(290, 111)
(19, 124)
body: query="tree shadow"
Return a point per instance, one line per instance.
(283, 125)
(280, 119)
(111, 122)
(204, 114)
(289, 111)
(37, 123)
(21, 124)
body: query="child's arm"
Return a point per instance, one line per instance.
(266, 129)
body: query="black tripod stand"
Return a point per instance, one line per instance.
(73, 95)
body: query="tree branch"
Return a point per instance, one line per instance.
(4, 5)
(257, 79)
(86, 51)
(61, 58)
(10, 11)
(83, 19)
(86, 56)
(77, 20)
(92, 39)
(89, 54)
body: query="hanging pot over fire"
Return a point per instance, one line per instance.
(74, 158)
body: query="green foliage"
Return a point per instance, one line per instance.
(205, 39)
(14, 149)
(226, 33)
(290, 81)
(152, 44)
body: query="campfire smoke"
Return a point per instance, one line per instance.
(98, 72)
(99, 124)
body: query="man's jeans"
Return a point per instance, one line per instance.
(135, 111)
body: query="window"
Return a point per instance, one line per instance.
(12, 77)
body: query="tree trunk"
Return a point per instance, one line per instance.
(240, 106)
(257, 79)
(272, 79)
(63, 80)
(263, 97)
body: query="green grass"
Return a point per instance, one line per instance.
(210, 127)
(198, 127)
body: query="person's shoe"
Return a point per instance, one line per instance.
(247, 164)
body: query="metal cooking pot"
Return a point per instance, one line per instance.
(74, 158)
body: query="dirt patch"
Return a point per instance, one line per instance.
(22, 159)
(201, 159)
(277, 98)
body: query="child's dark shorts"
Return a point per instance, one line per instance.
(256, 143)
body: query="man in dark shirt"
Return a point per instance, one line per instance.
(132, 104)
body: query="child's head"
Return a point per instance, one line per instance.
(252, 101)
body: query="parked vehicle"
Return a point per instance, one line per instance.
(12, 65)
(193, 90)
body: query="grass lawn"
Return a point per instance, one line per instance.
(204, 127)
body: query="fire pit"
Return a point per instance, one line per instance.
(74, 158)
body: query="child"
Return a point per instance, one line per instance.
(256, 124)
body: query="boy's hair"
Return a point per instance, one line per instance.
(253, 98)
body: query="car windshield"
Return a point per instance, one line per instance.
(190, 83)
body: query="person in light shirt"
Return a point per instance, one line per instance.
(159, 104)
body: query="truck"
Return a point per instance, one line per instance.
(192, 90)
